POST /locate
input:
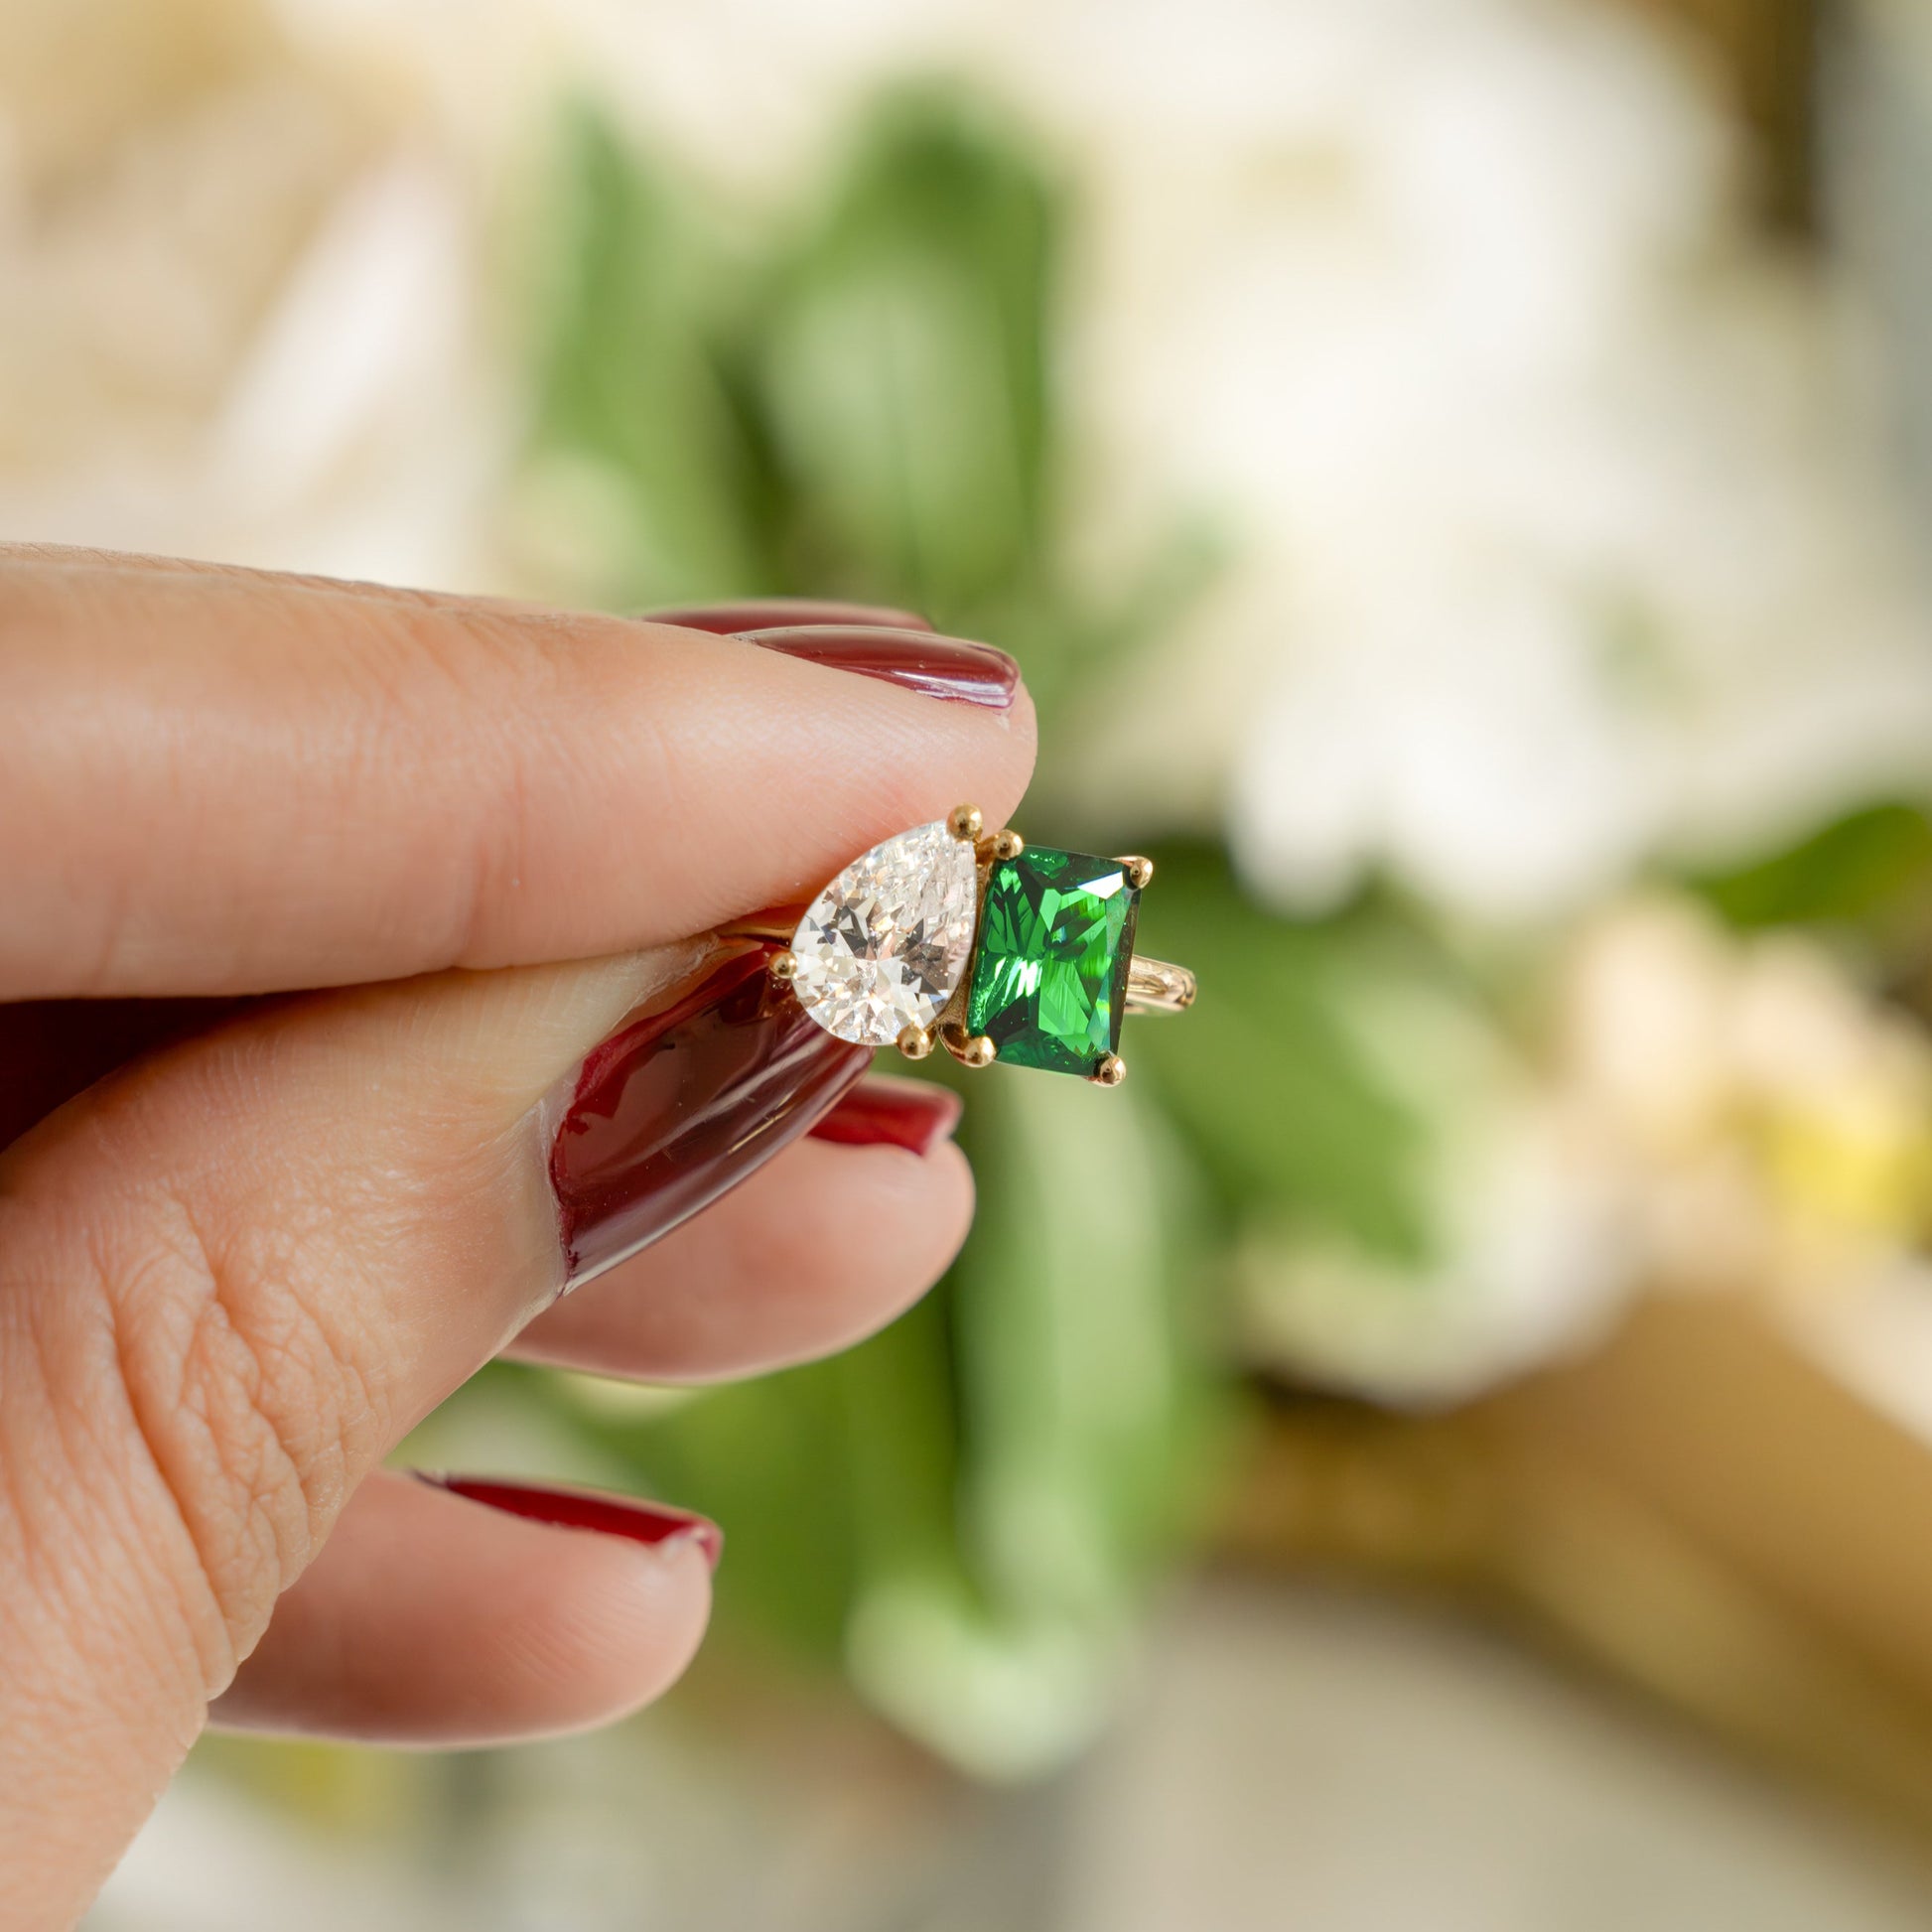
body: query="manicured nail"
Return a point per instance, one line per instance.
(883, 1112)
(920, 660)
(588, 1509)
(684, 1102)
(767, 613)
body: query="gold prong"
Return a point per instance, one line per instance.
(784, 966)
(915, 1042)
(966, 823)
(969, 1050)
(1111, 1071)
(1139, 870)
(1002, 845)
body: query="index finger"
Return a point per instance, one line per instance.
(220, 781)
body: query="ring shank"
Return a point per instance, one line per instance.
(1153, 986)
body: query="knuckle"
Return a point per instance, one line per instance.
(510, 681)
(251, 1407)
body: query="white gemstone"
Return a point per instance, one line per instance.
(887, 940)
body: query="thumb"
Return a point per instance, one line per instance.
(230, 1278)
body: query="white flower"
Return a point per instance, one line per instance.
(1558, 549)
(1463, 735)
(241, 306)
(1705, 1113)
(1774, 1123)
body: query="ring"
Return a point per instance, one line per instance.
(994, 949)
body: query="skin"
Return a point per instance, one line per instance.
(458, 842)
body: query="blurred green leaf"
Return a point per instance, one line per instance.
(903, 355)
(1264, 1074)
(1080, 1334)
(1873, 867)
(968, 1508)
(1084, 1407)
(635, 375)
(862, 410)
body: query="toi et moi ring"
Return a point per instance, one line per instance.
(994, 949)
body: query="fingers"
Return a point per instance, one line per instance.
(434, 1620)
(821, 1247)
(230, 1277)
(235, 1271)
(221, 782)
(441, 1618)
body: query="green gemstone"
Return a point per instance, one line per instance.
(1050, 980)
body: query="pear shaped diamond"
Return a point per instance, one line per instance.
(886, 943)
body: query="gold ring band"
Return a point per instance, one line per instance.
(1153, 986)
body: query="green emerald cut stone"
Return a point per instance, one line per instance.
(1050, 980)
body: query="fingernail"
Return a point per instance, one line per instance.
(765, 612)
(684, 1101)
(883, 1112)
(920, 661)
(588, 1509)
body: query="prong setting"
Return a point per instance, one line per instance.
(969, 1050)
(992, 915)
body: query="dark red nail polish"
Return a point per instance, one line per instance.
(588, 1509)
(920, 661)
(881, 1112)
(769, 612)
(681, 1103)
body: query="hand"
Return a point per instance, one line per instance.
(296, 883)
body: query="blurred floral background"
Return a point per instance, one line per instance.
(1457, 474)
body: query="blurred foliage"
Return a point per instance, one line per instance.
(860, 408)
(638, 378)
(903, 360)
(966, 1512)
(1267, 1081)
(1869, 869)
